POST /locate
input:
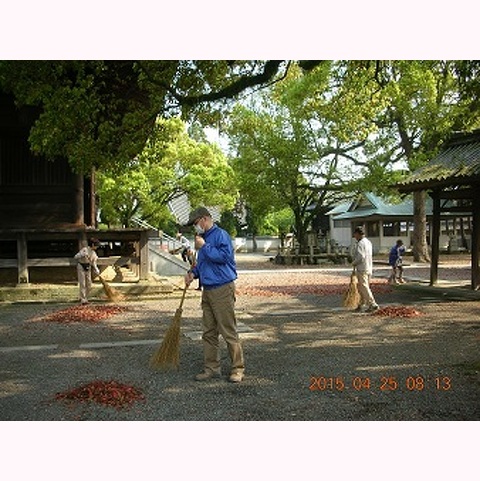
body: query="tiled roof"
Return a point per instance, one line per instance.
(458, 162)
(369, 205)
(180, 208)
(339, 209)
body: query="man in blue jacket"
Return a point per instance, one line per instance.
(216, 269)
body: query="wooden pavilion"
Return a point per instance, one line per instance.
(452, 179)
(47, 211)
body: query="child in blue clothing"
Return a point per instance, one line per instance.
(396, 262)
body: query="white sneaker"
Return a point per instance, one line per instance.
(236, 377)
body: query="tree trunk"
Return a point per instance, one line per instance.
(254, 243)
(419, 238)
(301, 234)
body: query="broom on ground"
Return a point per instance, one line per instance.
(112, 294)
(351, 298)
(168, 354)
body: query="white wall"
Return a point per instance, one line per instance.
(264, 244)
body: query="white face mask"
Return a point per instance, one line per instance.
(199, 230)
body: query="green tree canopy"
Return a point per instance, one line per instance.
(286, 155)
(171, 164)
(357, 125)
(100, 113)
(421, 104)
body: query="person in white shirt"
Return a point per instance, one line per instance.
(363, 265)
(185, 248)
(87, 261)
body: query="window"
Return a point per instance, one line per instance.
(389, 229)
(341, 223)
(395, 228)
(372, 229)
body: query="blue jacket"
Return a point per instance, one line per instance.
(215, 260)
(396, 252)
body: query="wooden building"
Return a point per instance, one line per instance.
(47, 211)
(385, 223)
(452, 179)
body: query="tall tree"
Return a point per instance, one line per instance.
(422, 103)
(286, 155)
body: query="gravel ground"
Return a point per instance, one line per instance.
(307, 358)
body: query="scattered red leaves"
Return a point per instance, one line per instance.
(86, 313)
(280, 291)
(397, 311)
(298, 289)
(108, 393)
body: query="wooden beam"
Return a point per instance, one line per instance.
(73, 232)
(438, 184)
(435, 239)
(476, 244)
(465, 210)
(144, 263)
(458, 194)
(69, 262)
(78, 195)
(22, 256)
(8, 263)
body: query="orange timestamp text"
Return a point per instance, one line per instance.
(387, 383)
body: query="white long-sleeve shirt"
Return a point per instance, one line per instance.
(363, 258)
(86, 255)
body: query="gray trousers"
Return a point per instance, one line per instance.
(84, 282)
(218, 306)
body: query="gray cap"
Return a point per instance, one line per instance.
(197, 213)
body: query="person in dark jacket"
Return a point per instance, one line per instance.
(216, 269)
(395, 259)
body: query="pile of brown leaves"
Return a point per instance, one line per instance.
(86, 313)
(108, 393)
(397, 311)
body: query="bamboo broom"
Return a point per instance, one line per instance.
(351, 298)
(168, 354)
(112, 294)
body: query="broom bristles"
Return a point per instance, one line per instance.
(351, 298)
(112, 294)
(168, 354)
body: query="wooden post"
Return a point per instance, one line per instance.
(82, 240)
(22, 256)
(435, 238)
(476, 243)
(143, 275)
(380, 234)
(78, 205)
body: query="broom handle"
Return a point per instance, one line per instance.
(183, 297)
